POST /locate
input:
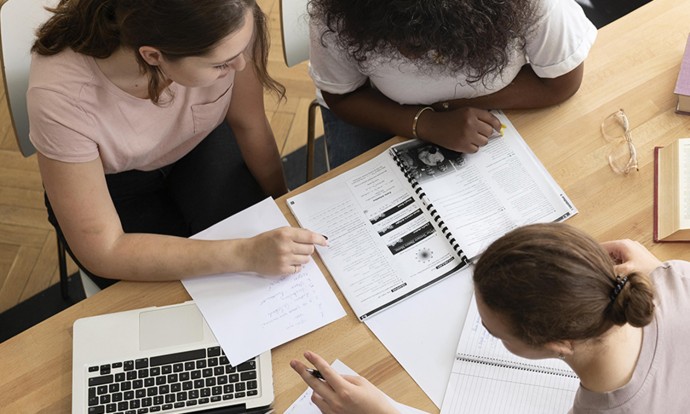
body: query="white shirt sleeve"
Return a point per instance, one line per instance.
(560, 38)
(330, 66)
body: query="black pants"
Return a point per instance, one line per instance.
(209, 184)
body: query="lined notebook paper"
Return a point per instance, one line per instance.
(487, 378)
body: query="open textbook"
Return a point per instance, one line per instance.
(487, 378)
(417, 213)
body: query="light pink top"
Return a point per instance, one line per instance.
(76, 115)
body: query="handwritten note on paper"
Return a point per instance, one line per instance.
(250, 314)
(303, 404)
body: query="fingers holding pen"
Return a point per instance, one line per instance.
(339, 394)
(317, 382)
(282, 251)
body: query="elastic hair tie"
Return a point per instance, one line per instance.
(620, 283)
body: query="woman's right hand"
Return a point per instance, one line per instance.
(631, 257)
(341, 394)
(281, 251)
(462, 129)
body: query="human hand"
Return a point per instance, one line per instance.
(281, 251)
(462, 129)
(631, 257)
(341, 394)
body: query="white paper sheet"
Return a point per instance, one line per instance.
(422, 332)
(250, 314)
(303, 404)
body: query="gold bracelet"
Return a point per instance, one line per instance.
(416, 118)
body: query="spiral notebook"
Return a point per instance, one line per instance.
(487, 378)
(417, 213)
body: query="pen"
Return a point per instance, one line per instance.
(316, 374)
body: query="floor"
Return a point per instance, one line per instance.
(28, 263)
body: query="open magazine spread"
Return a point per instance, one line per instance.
(417, 213)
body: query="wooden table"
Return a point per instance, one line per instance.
(633, 65)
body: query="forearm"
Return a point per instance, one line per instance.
(369, 108)
(262, 157)
(153, 257)
(253, 133)
(462, 130)
(526, 91)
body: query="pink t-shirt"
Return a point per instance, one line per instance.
(76, 115)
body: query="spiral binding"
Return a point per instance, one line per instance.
(515, 365)
(430, 207)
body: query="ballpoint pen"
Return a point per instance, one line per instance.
(315, 373)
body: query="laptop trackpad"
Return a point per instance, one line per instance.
(177, 325)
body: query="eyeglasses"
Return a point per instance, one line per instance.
(623, 155)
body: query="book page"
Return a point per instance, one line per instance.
(487, 378)
(383, 244)
(484, 195)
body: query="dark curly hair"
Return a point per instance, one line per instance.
(469, 35)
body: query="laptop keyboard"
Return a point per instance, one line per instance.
(168, 382)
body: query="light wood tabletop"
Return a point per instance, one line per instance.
(633, 65)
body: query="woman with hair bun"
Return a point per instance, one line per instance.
(148, 118)
(432, 69)
(612, 311)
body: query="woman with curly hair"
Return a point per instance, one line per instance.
(432, 69)
(612, 311)
(148, 117)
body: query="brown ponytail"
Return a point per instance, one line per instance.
(553, 282)
(634, 304)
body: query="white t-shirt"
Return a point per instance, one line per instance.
(77, 114)
(557, 43)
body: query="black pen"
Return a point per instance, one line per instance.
(316, 374)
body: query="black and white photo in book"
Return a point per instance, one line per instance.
(418, 213)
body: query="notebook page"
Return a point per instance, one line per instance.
(486, 377)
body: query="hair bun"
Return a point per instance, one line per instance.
(632, 300)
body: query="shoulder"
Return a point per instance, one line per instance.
(672, 283)
(60, 78)
(61, 70)
(543, 9)
(672, 272)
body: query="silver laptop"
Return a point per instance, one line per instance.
(162, 360)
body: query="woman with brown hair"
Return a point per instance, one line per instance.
(148, 118)
(613, 312)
